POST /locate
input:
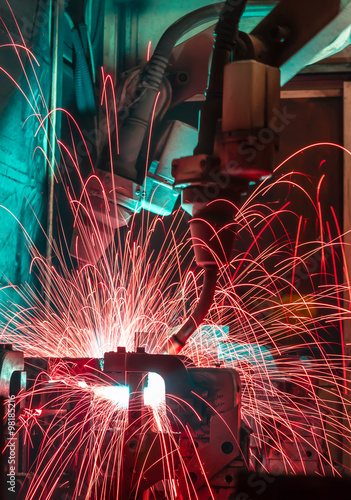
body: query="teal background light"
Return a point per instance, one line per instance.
(22, 168)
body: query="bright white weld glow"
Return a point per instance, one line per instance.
(119, 394)
(155, 392)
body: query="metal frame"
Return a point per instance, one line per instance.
(56, 43)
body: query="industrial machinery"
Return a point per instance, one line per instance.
(241, 112)
(240, 115)
(210, 406)
(178, 427)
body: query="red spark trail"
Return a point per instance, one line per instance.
(148, 54)
(251, 328)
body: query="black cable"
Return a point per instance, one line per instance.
(226, 34)
(133, 131)
(179, 339)
(185, 24)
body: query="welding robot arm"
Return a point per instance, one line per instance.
(218, 239)
(212, 223)
(132, 134)
(205, 233)
(132, 189)
(243, 91)
(212, 180)
(242, 99)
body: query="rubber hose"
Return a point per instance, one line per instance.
(82, 78)
(225, 38)
(185, 24)
(179, 339)
(133, 131)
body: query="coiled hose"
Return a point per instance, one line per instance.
(84, 89)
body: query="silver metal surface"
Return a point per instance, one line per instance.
(54, 125)
(11, 362)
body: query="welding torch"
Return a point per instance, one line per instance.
(241, 93)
